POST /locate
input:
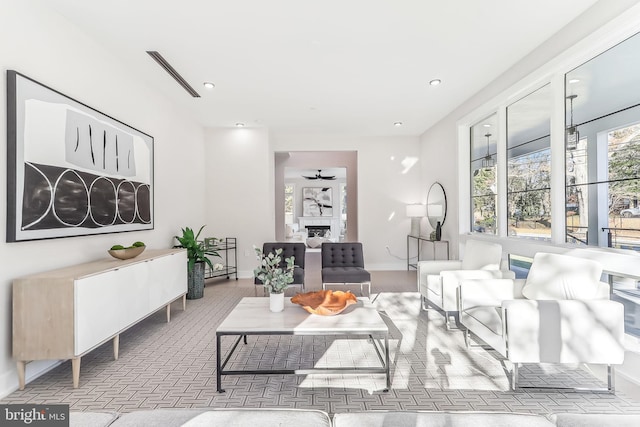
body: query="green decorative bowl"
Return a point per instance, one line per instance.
(127, 253)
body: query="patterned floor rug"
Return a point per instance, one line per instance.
(173, 365)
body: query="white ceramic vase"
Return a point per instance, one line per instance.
(276, 302)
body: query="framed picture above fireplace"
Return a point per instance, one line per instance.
(317, 201)
(71, 169)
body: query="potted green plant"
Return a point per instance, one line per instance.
(274, 276)
(196, 257)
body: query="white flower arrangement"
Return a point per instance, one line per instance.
(274, 278)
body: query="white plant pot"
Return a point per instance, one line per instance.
(276, 302)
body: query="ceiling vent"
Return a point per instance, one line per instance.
(173, 73)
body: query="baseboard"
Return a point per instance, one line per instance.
(248, 274)
(8, 383)
(396, 266)
(629, 369)
(9, 380)
(630, 378)
(245, 274)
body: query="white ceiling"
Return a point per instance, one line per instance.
(330, 66)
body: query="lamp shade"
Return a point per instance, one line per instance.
(416, 210)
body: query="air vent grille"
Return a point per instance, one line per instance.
(173, 73)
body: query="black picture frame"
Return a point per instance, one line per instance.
(72, 170)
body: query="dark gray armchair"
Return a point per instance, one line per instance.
(343, 264)
(297, 250)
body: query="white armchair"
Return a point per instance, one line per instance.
(560, 314)
(438, 280)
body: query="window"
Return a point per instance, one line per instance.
(289, 203)
(603, 167)
(623, 155)
(529, 166)
(577, 194)
(624, 187)
(343, 209)
(483, 176)
(601, 182)
(520, 265)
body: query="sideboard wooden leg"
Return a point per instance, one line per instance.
(75, 369)
(116, 347)
(184, 302)
(168, 312)
(21, 370)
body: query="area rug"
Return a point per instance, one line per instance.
(165, 365)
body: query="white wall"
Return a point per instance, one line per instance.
(387, 181)
(48, 49)
(239, 190)
(439, 155)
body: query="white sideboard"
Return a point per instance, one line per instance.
(65, 313)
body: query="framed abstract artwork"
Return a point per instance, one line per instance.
(317, 201)
(72, 170)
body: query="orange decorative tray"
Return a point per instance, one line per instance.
(325, 303)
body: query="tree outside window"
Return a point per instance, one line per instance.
(289, 202)
(484, 195)
(529, 166)
(624, 187)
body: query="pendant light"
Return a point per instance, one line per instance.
(488, 162)
(572, 135)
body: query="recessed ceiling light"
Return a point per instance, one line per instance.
(209, 85)
(239, 125)
(435, 82)
(487, 125)
(397, 124)
(574, 80)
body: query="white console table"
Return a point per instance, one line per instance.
(66, 313)
(419, 242)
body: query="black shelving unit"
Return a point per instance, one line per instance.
(228, 257)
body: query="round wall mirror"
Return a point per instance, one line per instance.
(436, 205)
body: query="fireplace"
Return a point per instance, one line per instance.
(320, 226)
(317, 230)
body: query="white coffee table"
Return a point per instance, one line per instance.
(252, 317)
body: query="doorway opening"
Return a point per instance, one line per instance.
(311, 192)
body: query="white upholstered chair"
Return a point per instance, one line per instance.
(438, 280)
(560, 314)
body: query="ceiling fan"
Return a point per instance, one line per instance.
(320, 176)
